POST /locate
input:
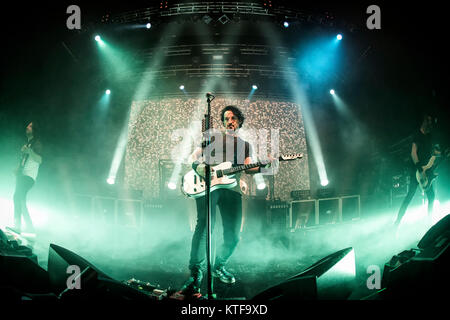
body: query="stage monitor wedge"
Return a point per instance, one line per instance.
(95, 284)
(437, 233)
(331, 278)
(59, 259)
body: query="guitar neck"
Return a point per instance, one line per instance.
(243, 167)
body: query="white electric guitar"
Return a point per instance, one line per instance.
(222, 176)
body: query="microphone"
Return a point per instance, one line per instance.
(209, 95)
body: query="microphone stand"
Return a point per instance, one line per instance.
(208, 199)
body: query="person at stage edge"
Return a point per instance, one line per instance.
(421, 151)
(229, 201)
(26, 174)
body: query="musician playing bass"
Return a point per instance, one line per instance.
(26, 173)
(229, 201)
(421, 152)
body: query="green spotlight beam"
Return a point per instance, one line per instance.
(301, 99)
(141, 92)
(116, 60)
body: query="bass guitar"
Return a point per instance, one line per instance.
(222, 176)
(426, 176)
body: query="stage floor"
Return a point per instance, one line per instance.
(259, 262)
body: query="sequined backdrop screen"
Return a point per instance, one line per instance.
(162, 132)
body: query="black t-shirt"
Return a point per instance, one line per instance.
(232, 149)
(424, 146)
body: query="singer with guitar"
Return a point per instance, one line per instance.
(421, 152)
(229, 200)
(26, 173)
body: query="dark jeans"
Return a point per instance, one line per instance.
(230, 205)
(412, 190)
(23, 185)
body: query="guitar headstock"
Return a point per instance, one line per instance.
(289, 157)
(446, 153)
(439, 153)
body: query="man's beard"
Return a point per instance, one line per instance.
(230, 131)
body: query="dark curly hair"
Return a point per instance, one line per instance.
(235, 111)
(36, 129)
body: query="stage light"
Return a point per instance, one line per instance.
(149, 25)
(259, 181)
(252, 92)
(286, 24)
(319, 66)
(172, 185)
(339, 37)
(103, 105)
(100, 41)
(324, 182)
(119, 152)
(332, 92)
(182, 87)
(320, 58)
(111, 180)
